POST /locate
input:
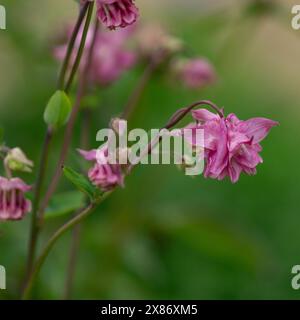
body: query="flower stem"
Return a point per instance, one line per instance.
(71, 268)
(37, 196)
(35, 221)
(78, 218)
(70, 126)
(81, 47)
(65, 65)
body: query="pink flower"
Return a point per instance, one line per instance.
(117, 13)
(13, 205)
(231, 145)
(111, 58)
(104, 175)
(195, 73)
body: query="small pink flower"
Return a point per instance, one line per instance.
(104, 175)
(195, 73)
(117, 13)
(13, 205)
(111, 58)
(231, 145)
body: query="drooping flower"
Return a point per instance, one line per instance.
(232, 146)
(111, 58)
(104, 175)
(116, 13)
(13, 204)
(194, 73)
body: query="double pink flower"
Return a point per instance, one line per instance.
(104, 175)
(231, 145)
(116, 13)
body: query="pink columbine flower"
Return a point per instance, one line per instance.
(13, 204)
(195, 73)
(104, 175)
(111, 57)
(116, 13)
(231, 145)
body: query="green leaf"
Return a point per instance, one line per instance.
(64, 203)
(82, 183)
(58, 110)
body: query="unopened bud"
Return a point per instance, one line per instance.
(16, 160)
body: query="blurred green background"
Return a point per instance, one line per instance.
(167, 236)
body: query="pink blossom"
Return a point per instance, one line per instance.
(116, 13)
(111, 58)
(195, 73)
(13, 205)
(231, 145)
(104, 175)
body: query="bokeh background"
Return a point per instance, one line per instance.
(167, 235)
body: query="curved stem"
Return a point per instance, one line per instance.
(78, 218)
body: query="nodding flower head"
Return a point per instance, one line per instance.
(194, 73)
(117, 13)
(104, 175)
(231, 145)
(13, 204)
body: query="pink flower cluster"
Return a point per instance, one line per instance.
(111, 58)
(116, 13)
(231, 145)
(13, 205)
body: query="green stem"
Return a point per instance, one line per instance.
(79, 217)
(65, 65)
(81, 47)
(35, 221)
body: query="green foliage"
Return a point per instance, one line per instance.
(65, 203)
(82, 183)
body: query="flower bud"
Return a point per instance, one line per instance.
(16, 160)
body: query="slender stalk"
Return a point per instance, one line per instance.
(139, 89)
(65, 65)
(70, 126)
(35, 223)
(37, 196)
(36, 268)
(81, 47)
(78, 218)
(71, 268)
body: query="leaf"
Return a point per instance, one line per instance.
(82, 183)
(64, 203)
(58, 110)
